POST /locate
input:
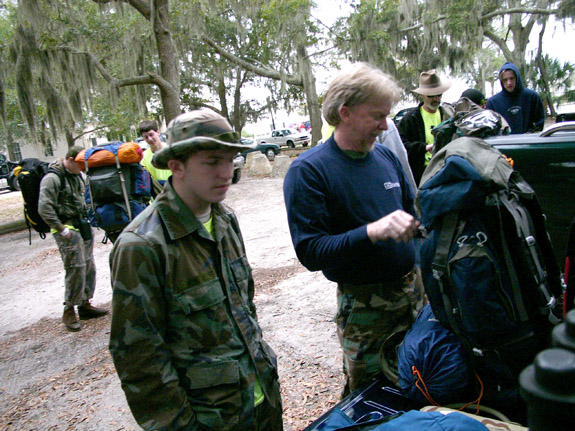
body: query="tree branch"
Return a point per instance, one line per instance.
(149, 78)
(499, 42)
(530, 11)
(142, 6)
(205, 105)
(261, 71)
(417, 26)
(488, 16)
(321, 52)
(89, 131)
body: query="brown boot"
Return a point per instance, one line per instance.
(69, 319)
(88, 311)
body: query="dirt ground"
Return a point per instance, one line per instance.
(52, 379)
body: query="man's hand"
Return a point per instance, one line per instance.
(399, 226)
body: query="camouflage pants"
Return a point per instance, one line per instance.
(367, 315)
(80, 279)
(267, 417)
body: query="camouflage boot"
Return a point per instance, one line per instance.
(69, 319)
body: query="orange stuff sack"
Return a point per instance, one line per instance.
(104, 155)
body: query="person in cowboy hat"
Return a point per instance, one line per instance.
(185, 338)
(415, 127)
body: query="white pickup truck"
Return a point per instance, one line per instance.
(289, 137)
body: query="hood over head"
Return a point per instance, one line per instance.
(513, 68)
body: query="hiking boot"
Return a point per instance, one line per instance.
(88, 311)
(70, 321)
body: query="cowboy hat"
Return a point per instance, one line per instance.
(430, 84)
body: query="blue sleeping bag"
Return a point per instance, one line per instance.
(413, 420)
(439, 357)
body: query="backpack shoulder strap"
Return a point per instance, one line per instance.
(524, 232)
(447, 233)
(124, 189)
(60, 175)
(444, 241)
(500, 199)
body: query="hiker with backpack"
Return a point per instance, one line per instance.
(62, 206)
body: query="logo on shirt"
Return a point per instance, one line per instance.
(514, 110)
(389, 185)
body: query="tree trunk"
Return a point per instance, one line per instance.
(520, 35)
(221, 90)
(169, 92)
(544, 77)
(238, 117)
(158, 13)
(310, 93)
(70, 140)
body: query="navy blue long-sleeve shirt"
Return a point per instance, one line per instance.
(331, 198)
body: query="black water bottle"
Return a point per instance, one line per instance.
(548, 387)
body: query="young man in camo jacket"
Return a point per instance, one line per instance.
(185, 337)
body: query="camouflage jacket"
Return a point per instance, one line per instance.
(185, 338)
(61, 197)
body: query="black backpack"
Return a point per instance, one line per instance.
(487, 264)
(29, 175)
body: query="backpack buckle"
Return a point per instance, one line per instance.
(481, 238)
(477, 351)
(462, 240)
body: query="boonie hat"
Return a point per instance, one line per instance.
(201, 129)
(430, 84)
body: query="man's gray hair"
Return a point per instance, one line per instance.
(358, 84)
